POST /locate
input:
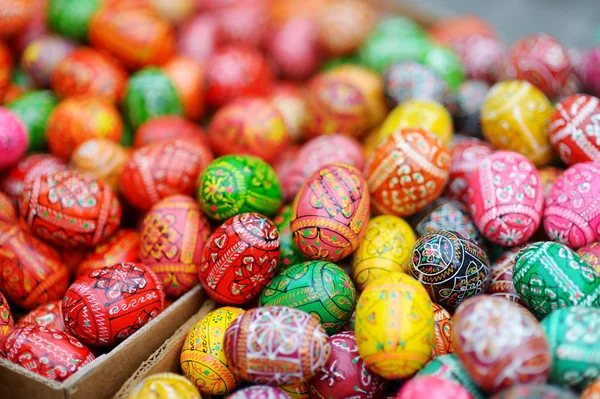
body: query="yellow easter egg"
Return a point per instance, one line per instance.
(394, 326)
(203, 358)
(514, 117)
(386, 248)
(296, 391)
(425, 114)
(165, 386)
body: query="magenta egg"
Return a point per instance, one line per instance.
(506, 198)
(572, 214)
(13, 139)
(259, 392)
(433, 387)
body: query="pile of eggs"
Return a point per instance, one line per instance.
(379, 210)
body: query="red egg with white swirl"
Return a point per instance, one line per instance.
(466, 155)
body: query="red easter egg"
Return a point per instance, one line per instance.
(31, 272)
(240, 258)
(28, 169)
(466, 154)
(573, 129)
(78, 119)
(45, 351)
(432, 387)
(330, 213)
(506, 198)
(297, 344)
(163, 169)
(70, 209)
(407, 171)
(449, 30)
(501, 284)
(173, 235)
(288, 99)
(14, 15)
(87, 71)
(47, 315)
(250, 126)
(320, 151)
(500, 344)
(42, 55)
(188, 78)
(345, 375)
(283, 166)
(136, 36)
(482, 56)
(572, 211)
(198, 37)
(122, 247)
(7, 324)
(443, 331)
(14, 138)
(35, 27)
(236, 71)
(541, 60)
(8, 212)
(110, 304)
(6, 66)
(166, 128)
(591, 254)
(242, 22)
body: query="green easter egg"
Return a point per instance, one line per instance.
(290, 255)
(234, 184)
(450, 368)
(399, 28)
(574, 345)
(71, 18)
(447, 64)
(127, 136)
(150, 94)
(379, 52)
(321, 289)
(34, 109)
(550, 276)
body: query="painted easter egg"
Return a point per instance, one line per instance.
(288, 99)
(432, 387)
(188, 78)
(50, 353)
(298, 346)
(8, 212)
(501, 280)
(7, 323)
(451, 267)
(15, 16)
(42, 55)
(450, 368)
(31, 272)
(443, 331)
(172, 237)
(320, 151)
(345, 375)
(76, 120)
(571, 215)
(299, 390)
(164, 128)
(481, 56)
(510, 347)
(289, 255)
(330, 213)
(394, 326)
(574, 347)
(110, 304)
(446, 63)
(249, 126)
(13, 138)
(259, 392)
(319, 288)
(549, 265)
(203, 358)
(234, 184)
(27, 169)
(240, 259)
(70, 209)
(469, 99)
(34, 108)
(101, 158)
(506, 198)
(167, 385)
(236, 71)
(48, 315)
(407, 171)
(591, 254)
(136, 36)
(343, 26)
(514, 117)
(446, 214)
(536, 391)
(163, 169)
(6, 71)
(89, 72)
(423, 114)
(385, 248)
(283, 167)
(409, 80)
(121, 247)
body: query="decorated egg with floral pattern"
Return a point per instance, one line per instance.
(171, 384)
(48, 314)
(123, 246)
(501, 280)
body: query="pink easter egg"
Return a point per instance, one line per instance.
(433, 387)
(13, 139)
(590, 70)
(506, 198)
(572, 214)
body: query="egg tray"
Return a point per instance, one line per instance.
(103, 377)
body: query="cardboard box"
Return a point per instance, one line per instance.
(103, 377)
